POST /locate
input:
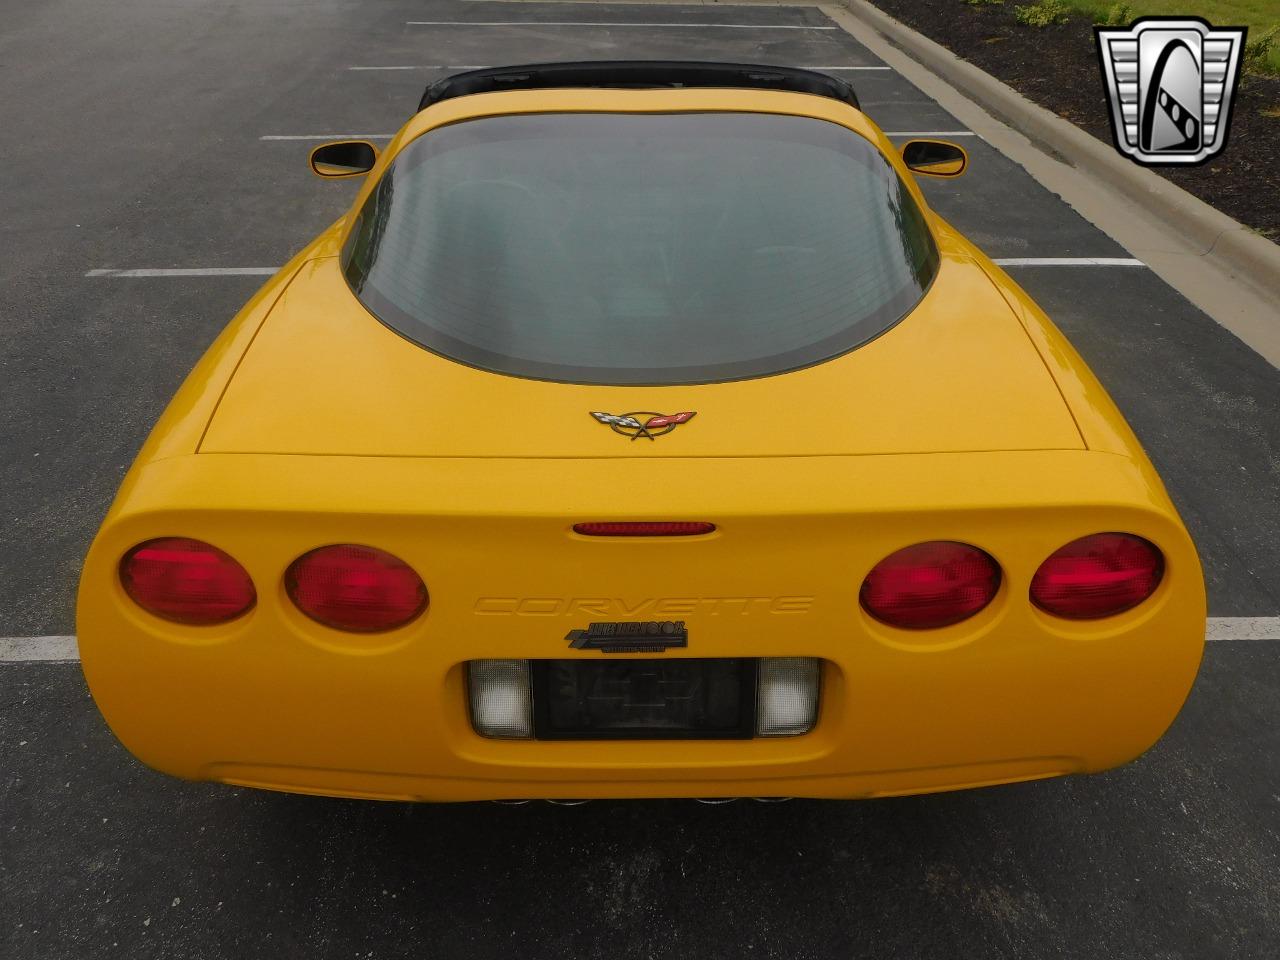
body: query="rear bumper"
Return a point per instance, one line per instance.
(365, 785)
(276, 701)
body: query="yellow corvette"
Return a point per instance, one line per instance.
(640, 432)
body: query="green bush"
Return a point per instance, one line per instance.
(1120, 15)
(1043, 14)
(982, 3)
(1257, 52)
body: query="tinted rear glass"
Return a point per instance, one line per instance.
(640, 249)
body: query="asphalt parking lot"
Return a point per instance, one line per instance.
(150, 135)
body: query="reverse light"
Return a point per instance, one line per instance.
(786, 696)
(930, 585)
(644, 528)
(1098, 576)
(355, 588)
(501, 698)
(186, 581)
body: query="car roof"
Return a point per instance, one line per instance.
(638, 74)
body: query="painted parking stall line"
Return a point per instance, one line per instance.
(64, 649)
(427, 66)
(1069, 262)
(1243, 628)
(187, 272)
(450, 66)
(615, 23)
(327, 136)
(269, 271)
(39, 649)
(286, 137)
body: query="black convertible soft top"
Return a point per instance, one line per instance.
(638, 74)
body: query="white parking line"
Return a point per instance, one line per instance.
(1243, 628)
(269, 271)
(609, 23)
(330, 136)
(452, 66)
(65, 649)
(387, 136)
(428, 66)
(188, 272)
(26, 649)
(1069, 262)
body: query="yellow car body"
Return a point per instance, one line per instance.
(310, 423)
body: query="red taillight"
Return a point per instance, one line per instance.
(644, 528)
(1097, 576)
(930, 585)
(360, 589)
(186, 581)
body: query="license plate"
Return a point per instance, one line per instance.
(671, 699)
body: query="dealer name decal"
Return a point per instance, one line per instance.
(649, 636)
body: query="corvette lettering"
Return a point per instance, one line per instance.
(655, 607)
(643, 424)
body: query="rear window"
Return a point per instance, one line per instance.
(640, 249)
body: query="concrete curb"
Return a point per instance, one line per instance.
(1210, 234)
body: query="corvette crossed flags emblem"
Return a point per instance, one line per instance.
(653, 425)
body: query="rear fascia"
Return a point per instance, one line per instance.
(278, 701)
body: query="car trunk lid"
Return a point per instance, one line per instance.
(323, 376)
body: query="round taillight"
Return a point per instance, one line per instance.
(930, 585)
(1098, 576)
(186, 581)
(355, 588)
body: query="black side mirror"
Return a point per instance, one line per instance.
(343, 158)
(935, 158)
